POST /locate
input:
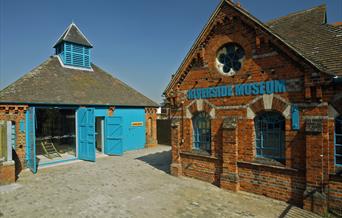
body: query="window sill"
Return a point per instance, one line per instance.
(269, 161)
(199, 154)
(264, 165)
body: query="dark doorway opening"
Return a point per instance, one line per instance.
(55, 134)
(99, 131)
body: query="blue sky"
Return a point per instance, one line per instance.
(140, 42)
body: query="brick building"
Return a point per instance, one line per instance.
(68, 108)
(257, 107)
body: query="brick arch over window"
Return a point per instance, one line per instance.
(268, 103)
(200, 105)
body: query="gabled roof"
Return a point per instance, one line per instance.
(51, 83)
(73, 34)
(319, 18)
(318, 41)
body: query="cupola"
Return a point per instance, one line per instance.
(73, 48)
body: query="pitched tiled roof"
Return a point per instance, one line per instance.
(308, 32)
(51, 83)
(73, 34)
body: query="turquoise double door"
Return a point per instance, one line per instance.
(119, 135)
(86, 134)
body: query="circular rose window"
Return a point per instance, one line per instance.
(229, 59)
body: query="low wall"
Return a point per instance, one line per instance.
(275, 182)
(335, 195)
(7, 172)
(204, 168)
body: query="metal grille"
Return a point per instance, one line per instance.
(338, 141)
(201, 132)
(270, 135)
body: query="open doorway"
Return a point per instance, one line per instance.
(55, 134)
(99, 127)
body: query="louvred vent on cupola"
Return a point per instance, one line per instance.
(75, 55)
(71, 53)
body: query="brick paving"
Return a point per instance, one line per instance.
(134, 185)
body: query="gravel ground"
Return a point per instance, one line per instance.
(136, 184)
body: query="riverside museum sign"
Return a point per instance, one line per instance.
(257, 88)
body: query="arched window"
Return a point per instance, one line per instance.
(270, 135)
(338, 141)
(201, 132)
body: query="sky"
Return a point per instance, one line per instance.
(141, 42)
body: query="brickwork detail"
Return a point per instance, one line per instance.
(151, 127)
(7, 172)
(335, 195)
(14, 113)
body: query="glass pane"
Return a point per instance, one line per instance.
(269, 131)
(339, 160)
(339, 150)
(338, 125)
(339, 140)
(271, 153)
(201, 128)
(258, 152)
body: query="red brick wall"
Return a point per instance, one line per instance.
(279, 183)
(16, 113)
(335, 195)
(203, 168)
(151, 127)
(7, 172)
(308, 156)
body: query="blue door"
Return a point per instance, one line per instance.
(113, 134)
(86, 134)
(31, 139)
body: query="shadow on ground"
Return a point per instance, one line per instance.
(160, 160)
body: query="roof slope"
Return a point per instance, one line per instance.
(73, 34)
(329, 36)
(50, 83)
(308, 32)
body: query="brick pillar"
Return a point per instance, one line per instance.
(229, 177)
(7, 172)
(151, 127)
(314, 197)
(176, 166)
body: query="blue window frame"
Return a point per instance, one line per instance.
(270, 135)
(201, 132)
(338, 141)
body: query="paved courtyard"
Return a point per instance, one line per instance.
(134, 185)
